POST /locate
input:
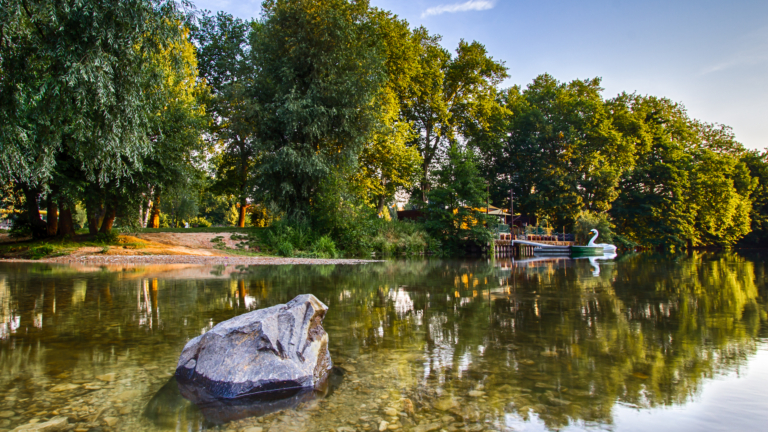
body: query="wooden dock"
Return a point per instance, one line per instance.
(505, 247)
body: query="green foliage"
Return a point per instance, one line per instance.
(453, 216)
(451, 97)
(179, 206)
(558, 150)
(262, 216)
(400, 238)
(199, 222)
(225, 64)
(232, 216)
(87, 99)
(319, 68)
(587, 221)
(215, 208)
(40, 251)
(107, 238)
(324, 247)
(79, 217)
(20, 226)
(689, 184)
(284, 248)
(757, 163)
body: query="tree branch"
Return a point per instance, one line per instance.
(32, 20)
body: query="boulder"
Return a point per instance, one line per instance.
(274, 349)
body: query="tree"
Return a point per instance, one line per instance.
(387, 163)
(652, 207)
(689, 185)
(721, 187)
(225, 64)
(451, 97)
(558, 150)
(453, 214)
(757, 163)
(177, 127)
(72, 82)
(319, 69)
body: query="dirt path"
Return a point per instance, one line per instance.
(190, 240)
(173, 249)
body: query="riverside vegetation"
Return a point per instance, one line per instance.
(322, 114)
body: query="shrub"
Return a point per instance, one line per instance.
(285, 248)
(41, 251)
(199, 222)
(110, 237)
(324, 247)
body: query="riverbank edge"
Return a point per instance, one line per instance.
(188, 259)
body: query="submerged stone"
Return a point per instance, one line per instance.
(52, 425)
(278, 348)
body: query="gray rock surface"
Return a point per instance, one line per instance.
(52, 425)
(277, 348)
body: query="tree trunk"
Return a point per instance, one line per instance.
(109, 219)
(149, 208)
(382, 200)
(241, 218)
(39, 228)
(154, 219)
(66, 225)
(53, 216)
(95, 214)
(243, 186)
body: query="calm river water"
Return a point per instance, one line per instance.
(643, 342)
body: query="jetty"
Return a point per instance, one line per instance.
(509, 245)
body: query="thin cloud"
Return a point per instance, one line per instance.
(471, 5)
(753, 51)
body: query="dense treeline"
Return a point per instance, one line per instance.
(321, 114)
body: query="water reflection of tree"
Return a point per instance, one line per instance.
(553, 339)
(547, 338)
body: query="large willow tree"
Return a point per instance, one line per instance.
(72, 87)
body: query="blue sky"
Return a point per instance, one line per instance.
(710, 55)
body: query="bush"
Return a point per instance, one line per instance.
(106, 238)
(41, 251)
(199, 222)
(324, 247)
(164, 221)
(285, 248)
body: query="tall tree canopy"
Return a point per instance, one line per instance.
(557, 149)
(451, 97)
(688, 185)
(72, 80)
(319, 68)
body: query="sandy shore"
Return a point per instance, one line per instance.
(174, 249)
(187, 259)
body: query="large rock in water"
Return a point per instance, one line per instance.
(277, 348)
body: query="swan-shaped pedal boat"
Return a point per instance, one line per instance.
(607, 248)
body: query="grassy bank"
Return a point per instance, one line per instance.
(55, 247)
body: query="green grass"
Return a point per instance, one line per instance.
(53, 247)
(37, 249)
(201, 230)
